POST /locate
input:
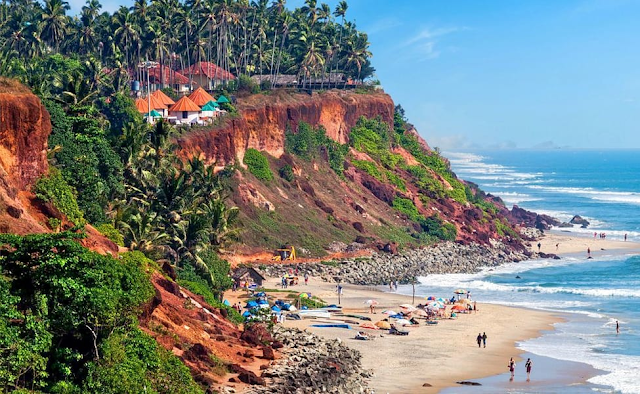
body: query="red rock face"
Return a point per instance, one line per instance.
(24, 129)
(264, 121)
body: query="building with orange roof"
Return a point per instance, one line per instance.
(207, 75)
(200, 97)
(163, 98)
(185, 110)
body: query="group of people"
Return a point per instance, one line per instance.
(527, 366)
(482, 339)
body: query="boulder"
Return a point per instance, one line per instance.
(577, 219)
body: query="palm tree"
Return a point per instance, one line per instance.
(53, 24)
(125, 32)
(340, 11)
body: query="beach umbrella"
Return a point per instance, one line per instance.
(389, 312)
(436, 305)
(407, 308)
(420, 312)
(291, 308)
(304, 295)
(226, 302)
(431, 298)
(275, 309)
(371, 302)
(368, 325)
(440, 299)
(458, 308)
(251, 304)
(403, 322)
(460, 291)
(383, 324)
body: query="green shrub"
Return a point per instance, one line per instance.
(395, 180)
(391, 160)
(133, 362)
(245, 83)
(435, 227)
(368, 167)
(195, 281)
(286, 173)
(306, 143)
(54, 189)
(258, 164)
(371, 136)
(407, 207)
(112, 233)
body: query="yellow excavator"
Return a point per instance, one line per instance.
(287, 253)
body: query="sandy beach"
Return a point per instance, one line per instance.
(578, 244)
(440, 355)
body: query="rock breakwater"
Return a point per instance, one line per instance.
(443, 258)
(313, 365)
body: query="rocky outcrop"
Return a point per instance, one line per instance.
(314, 365)
(579, 220)
(443, 258)
(264, 119)
(522, 217)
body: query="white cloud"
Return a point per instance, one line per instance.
(382, 25)
(425, 42)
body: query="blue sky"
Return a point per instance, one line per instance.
(500, 73)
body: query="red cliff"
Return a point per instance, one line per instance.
(24, 129)
(264, 119)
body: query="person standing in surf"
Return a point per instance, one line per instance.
(617, 327)
(512, 367)
(527, 366)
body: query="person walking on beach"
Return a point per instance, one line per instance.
(479, 339)
(539, 247)
(512, 367)
(527, 366)
(484, 339)
(306, 278)
(589, 252)
(625, 238)
(617, 327)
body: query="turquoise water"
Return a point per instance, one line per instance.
(603, 187)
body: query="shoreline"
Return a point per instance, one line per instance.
(443, 354)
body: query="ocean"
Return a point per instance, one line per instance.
(602, 187)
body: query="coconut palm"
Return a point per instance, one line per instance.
(53, 23)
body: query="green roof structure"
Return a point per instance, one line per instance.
(210, 106)
(154, 114)
(222, 99)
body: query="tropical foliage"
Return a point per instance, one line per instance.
(68, 321)
(242, 37)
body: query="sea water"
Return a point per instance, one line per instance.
(604, 188)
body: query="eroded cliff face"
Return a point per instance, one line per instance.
(24, 129)
(264, 119)
(25, 126)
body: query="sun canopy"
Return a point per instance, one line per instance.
(154, 114)
(222, 99)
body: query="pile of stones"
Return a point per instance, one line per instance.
(312, 364)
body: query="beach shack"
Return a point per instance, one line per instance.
(200, 97)
(247, 274)
(163, 98)
(144, 105)
(210, 110)
(185, 111)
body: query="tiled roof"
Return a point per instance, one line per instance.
(184, 104)
(200, 97)
(163, 98)
(210, 70)
(169, 76)
(142, 104)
